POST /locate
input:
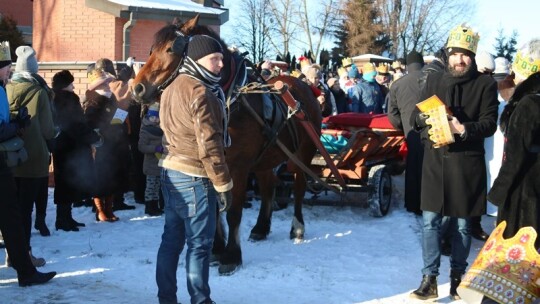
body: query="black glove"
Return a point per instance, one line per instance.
(421, 120)
(23, 119)
(224, 200)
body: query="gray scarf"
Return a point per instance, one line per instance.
(210, 80)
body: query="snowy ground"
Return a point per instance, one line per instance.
(346, 257)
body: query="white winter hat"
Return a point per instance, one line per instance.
(485, 62)
(26, 59)
(502, 66)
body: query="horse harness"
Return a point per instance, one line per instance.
(273, 119)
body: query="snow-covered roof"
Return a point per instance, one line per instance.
(174, 5)
(164, 10)
(370, 56)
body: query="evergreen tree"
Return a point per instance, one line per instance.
(288, 58)
(364, 26)
(292, 65)
(324, 60)
(506, 46)
(340, 51)
(10, 32)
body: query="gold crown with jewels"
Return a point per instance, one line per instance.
(505, 270)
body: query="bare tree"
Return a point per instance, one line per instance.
(283, 26)
(421, 25)
(253, 29)
(317, 22)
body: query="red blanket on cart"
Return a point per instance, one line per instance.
(373, 121)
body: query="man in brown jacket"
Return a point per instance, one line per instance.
(194, 171)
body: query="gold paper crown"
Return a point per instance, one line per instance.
(463, 37)
(342, 72)
(368, 67)
(97, 77)
(396, 65)
(525, 65)
(346, 62)
(296, 73)
(382, 69)
(506, 271)
(5, 53)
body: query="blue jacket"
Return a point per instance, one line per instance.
(366, 97)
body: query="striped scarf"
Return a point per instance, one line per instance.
(210, 80)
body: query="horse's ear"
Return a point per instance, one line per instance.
(176, 21)
(190, 24)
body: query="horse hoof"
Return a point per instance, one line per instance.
(296, 236)
(256, 237)
(229, 269)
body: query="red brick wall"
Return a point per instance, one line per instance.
(80, 82)
(142, 37)
(66, 30)
(20, 10)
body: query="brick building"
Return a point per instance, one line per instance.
(70, 34)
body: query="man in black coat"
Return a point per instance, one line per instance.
(454, 175)
(404, 94)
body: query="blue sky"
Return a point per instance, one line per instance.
(488, 17)
(520, 15)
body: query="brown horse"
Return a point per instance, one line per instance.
(251, 150)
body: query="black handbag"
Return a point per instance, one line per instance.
(13, 151)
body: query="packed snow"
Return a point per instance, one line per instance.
(347, 256)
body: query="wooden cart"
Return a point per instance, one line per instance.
(373, 152)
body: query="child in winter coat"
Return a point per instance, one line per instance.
(150, 146)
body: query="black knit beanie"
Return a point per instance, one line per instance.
(202, 45)
(61, 80)
(452, 50)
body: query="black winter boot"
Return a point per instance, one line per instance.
(476, 229)
(152, 209)
(427, 289)
(36, 278)
(63, 218)
(41, 226)
(455, 280)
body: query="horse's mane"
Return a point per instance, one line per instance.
(168, 33)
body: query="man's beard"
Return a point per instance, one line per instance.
(456, 73)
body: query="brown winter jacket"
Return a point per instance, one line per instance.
(191, 120)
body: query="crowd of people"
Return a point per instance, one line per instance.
(492, 114)
(103, 145)
(92, 144)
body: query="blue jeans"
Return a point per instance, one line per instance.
(190, 218)
(459, 231)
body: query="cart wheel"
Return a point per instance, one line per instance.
(380, 191)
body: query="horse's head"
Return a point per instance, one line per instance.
(165, 56)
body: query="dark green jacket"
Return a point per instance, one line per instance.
(29, 92)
